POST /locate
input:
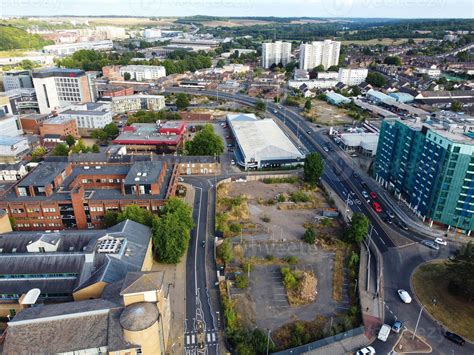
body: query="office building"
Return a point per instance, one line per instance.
(5, 105)
(13, 149)
(10, 125)
(20, 100)
(89, 116)
(275, 53)
(122, 104)
(17, 79)
(70, 48)
(325, 53)
(58, 87)
(430, 165)
(261, 143)
(143, 72)
(61, 195)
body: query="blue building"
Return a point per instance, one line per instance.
(336, 99)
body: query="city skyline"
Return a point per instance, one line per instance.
(251, 8)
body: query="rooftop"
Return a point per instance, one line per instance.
(61, 72)
(43, 174)
(144, 172)
(7, 140)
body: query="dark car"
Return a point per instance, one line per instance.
(363, 184)
(402, 225)
(455, 338)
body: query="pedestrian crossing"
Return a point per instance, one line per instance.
(191, 339)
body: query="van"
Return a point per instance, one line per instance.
(384, 332)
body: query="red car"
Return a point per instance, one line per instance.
(373, 195)
(376, 206)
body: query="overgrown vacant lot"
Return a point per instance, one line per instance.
(430, 282)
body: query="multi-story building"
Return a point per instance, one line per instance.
(352, 76)
(325, 53)
(10, 125)
(59, 126)
(13, 149)
(70, 48)
(17, 79)
(275, 53)
(61, 195)
(31, 122)
(89, 115)
(20, 100)
(114, 91)
(58, 87)
(123, 104)
(431, 166)
(143, 72)
(5, 106)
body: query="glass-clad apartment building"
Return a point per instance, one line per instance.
(431, 166)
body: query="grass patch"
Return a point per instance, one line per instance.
(282, 180)
(338, 275)
(430, 281)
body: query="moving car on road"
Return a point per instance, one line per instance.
(384, 332)
(404, 296)
(455, 338)
(377, 208)
(365, 194)
(430, 244)
(366, 351)
(441, 241)
(373, 195)
(390, 214)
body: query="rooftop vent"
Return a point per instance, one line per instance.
(98, 167)
(14, 250)
(109, 246)
(137, 179)
(86, 168)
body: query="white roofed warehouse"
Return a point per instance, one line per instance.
(260, 143)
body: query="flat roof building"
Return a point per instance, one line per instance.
(262, 143)
(336, 99)
(17, 79)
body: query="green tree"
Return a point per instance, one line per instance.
(61, 149)
(260, 105)
(220, 63)
(333, 68)
(375, 79)
(95, 148)
(456, 106)
(110, 219)
(313, 168)
(308, 105)
(182, 101)
(27, 64)
(136, 214)
(225, 251)
(126, 76)
(242, 281)
(99, 134)
(80, 147)
(319, 68)
(111, 130)
(70, 140)
(355, 90)
(359, 228)
(460, 272)
(38, 153)
(393, 60)
(309, 236)
(205, 142)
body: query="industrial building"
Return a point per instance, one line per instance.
(430, 165)
(336, 99)
(260, 143)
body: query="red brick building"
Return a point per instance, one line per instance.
(59, 126)
(61, 195)
(114, 91)
(31, 122)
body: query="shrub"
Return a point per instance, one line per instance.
(242, 281)
(292, 260)
(309, 236)
(289, 279)
(235, 227)
(299, 196)
(281, 198)
(270, 257)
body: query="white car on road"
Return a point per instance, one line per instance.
(404, 296)
(441, 241)
(366, 351)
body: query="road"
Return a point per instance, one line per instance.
(399, 262)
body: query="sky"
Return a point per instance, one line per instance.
(279, 8)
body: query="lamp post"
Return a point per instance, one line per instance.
(418, 321)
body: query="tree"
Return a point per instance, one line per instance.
(225, 251)
(126, 76)
(95, 148)
(319, 68)
(308, 105)
(309, 236)
(182, 101)
(111, 130)
(359, 228)
(456, 106)
(220, 63)
(70, 140)
(333, 68)
(260, 105)
(136, 214)
(99, 134)
(313, 168)
(205, 142)
(61, 150)
(460, 272)
(393, 60)
(80, 147)
(110, 219)
(375, 79)
(38, 153)
(355, 90)
(27, 64)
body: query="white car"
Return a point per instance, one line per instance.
(365, 194)
(366, 351)
(180, 179)
(232, 162)
(441, 241)
(404, 296)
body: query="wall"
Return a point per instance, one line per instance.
(92, 291)
(148, 339)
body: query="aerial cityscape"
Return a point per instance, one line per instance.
(236, 177)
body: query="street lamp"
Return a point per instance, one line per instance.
(418, 321)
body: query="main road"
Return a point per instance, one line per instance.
(398, 262)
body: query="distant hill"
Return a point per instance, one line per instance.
(16, 38)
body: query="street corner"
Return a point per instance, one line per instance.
(409, 344)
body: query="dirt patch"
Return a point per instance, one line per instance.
(407, 345)
(245, 310)
(328, 115)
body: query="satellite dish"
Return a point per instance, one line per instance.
(31, 297)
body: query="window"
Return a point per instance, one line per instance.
(41, 250)
(22, 191)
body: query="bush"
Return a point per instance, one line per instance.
(242, 281)
(299, 196)
(282, 180)
(265, 218)
(270, 257)
(292, 260)
(309, 236)
(289, 279)
(281, 198)
(235, 227)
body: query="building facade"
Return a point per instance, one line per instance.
(18, 79)
(10, 125)
(58, 87)
(275, 53)
(124, 104)
(325, 53)
(352, 76)
(13, 149)
(89, 116)
(431, 166)
(143, 72)
(59, 126)
(70, 48)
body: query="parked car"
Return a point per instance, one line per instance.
(441, 241)
(402, 225)
(404, 296)
(365, 194)
(387, 220)
(366, 351)
(180, 179)
(230, 145)
(377, 208)
(325, 149)
(397, 326)
(455, 338)
(373, 195)
(430, 244)
(390, 214)
(384, 332)
(309, 131)
(232, 162)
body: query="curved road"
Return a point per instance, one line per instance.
(399, 262)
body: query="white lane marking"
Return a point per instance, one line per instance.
(382, 241)
(208, 337)
(188, 338)
(213, 337)
(193, 339)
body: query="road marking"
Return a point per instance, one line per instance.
(213, 337)
(188, 338)
(193, 338)
(208, 337)
(382, 241)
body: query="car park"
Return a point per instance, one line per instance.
(455, 338)
(397, 326)
(430, 244)
(366, 351)
(404, 296)
(440, 241)
(373, 195)
(377, 208)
